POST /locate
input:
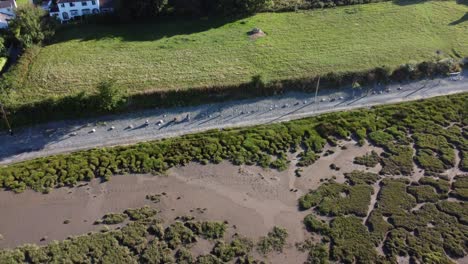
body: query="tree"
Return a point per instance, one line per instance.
(110, 97)
(356, 86)
(2, 46)
(140, 9)
(31, 26)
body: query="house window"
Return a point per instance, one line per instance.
(86, 11)
(95, 11)
(65, 16)
(62, 5)
(74, 12)
(93, 2)
(72, 4)
(84, 3)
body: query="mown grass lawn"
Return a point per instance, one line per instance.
(22, 2)
(192, 53)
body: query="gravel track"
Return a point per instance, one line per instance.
(68, 136)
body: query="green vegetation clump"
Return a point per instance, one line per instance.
(208, 259)
(112, 219)
(155, 198)
(178, 234)
(274, 241)
(459, 210)
(460, 187)
(442, 186)
(157, 252)
(378, 227)
(317, 254)
(140, 213)
(398, 160)
(430, 225)
(361, 177)
(335, 199)
(315, 225)
(351, 241)
(423, 193)
(238, 247)
(393, 198)
(94, 248)
(369, 160)
(207, 230)
(137, 242)
(434, 154)
(307, 158)
(184, 256)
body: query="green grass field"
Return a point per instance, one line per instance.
(22, 2)
(193, 53)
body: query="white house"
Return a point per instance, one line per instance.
(68, 9)
(7, 12)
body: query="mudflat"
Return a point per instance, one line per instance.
(251, 199)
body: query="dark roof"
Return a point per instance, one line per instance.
(6, 4)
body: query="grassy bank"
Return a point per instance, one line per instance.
(179, 54)
(441, 120)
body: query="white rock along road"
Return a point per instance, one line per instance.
(67, 136)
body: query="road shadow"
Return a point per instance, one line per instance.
(29, 140)
(165, 27)
(408, 2)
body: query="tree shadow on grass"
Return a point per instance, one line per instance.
(460, 20)
(408, 2)
(143, 31)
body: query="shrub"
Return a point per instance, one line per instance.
(442, 186)
(140, 213)
(208, 259)
(112, 219)
(110, 96)
(393, 199)
(237, 248)
(398, 161)
(307, 158)
(275, 240)
(423, 193)
(178, 234)
(335, 199)
(157, 252)
(460, 187)
(184, 256)
(314, 225)
(351, 242)
(369, 160)
(378, 227)
(361, 177)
